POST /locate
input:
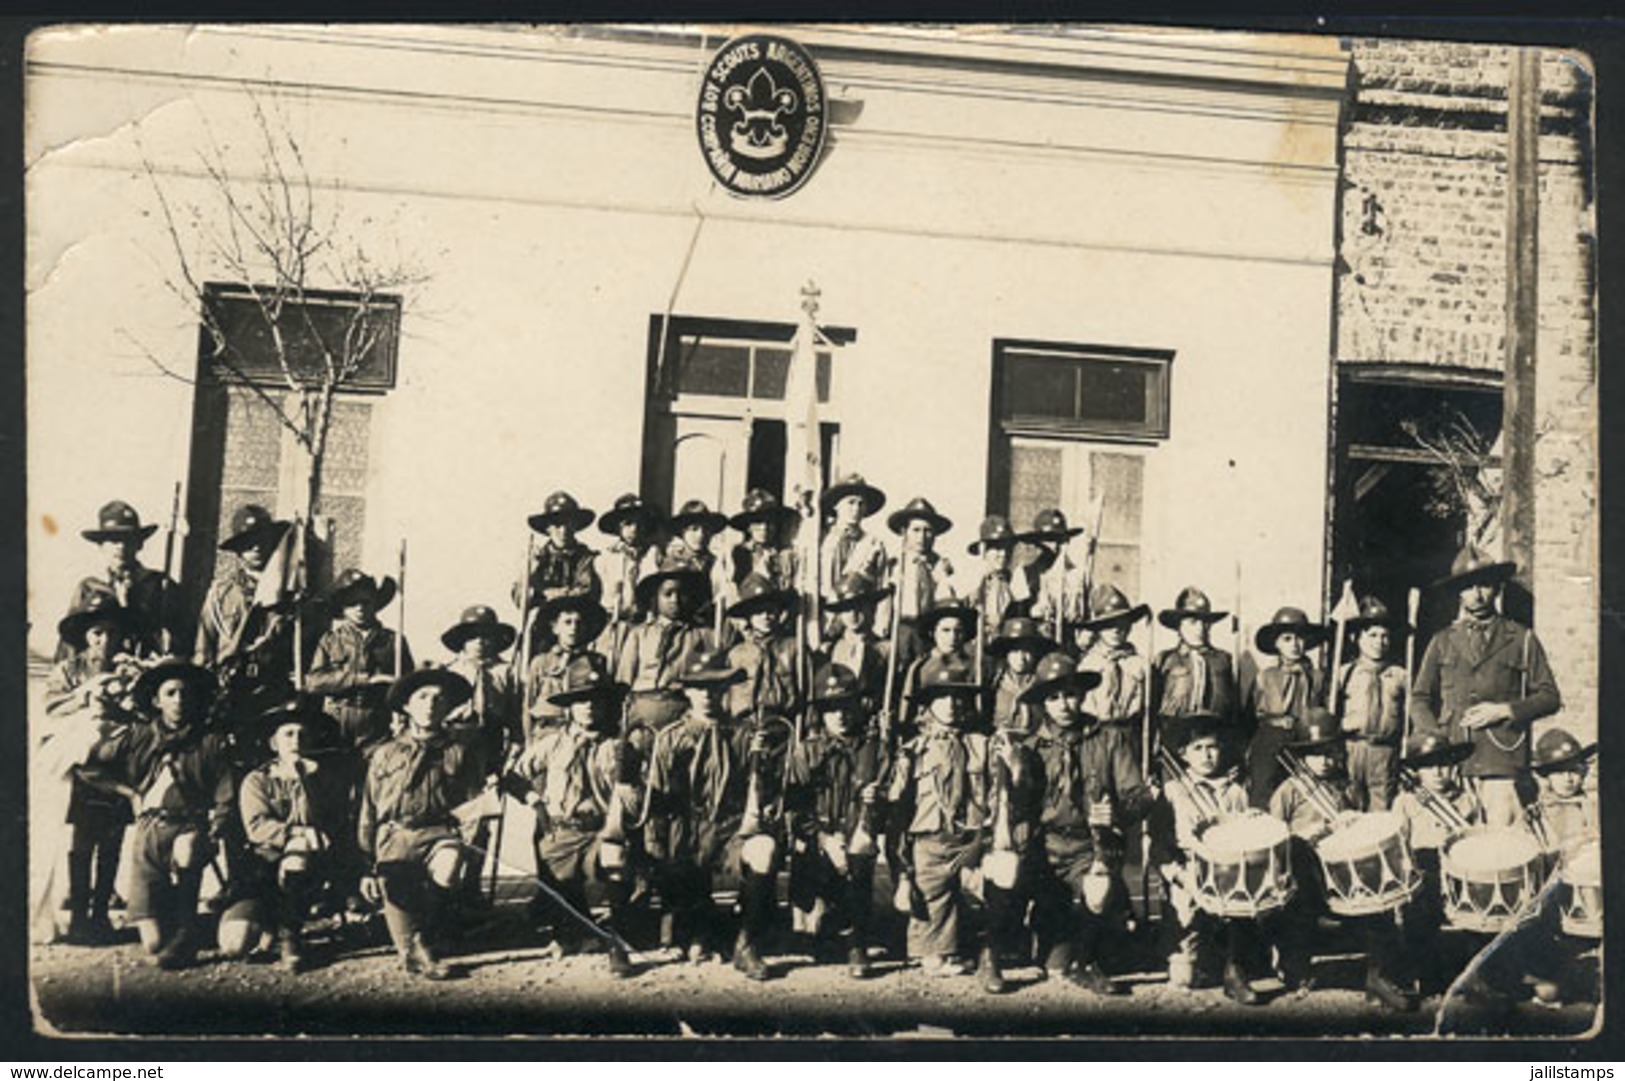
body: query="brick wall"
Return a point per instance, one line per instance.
(1421, 280)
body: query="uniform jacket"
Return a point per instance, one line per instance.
(1425, 831)
(1279, 694)
(620, 568)
(275, 797)
(655, 653)
(346, 659)
(1371, 700)
(777, 565)
(1120, 696)
(940, 782)
(180, 776)
(141, 590)
(1301, 816)
(494, 707)
(922, 582)
(699, 770)
(1464, 665)
(229, 623)
(827, 778)
(850, 551)
(1061, 586)
(771, 678)
(560, 571)
(1084, 764)
(573, 771)
(1184, 679)
(415, 784)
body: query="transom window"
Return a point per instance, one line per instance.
(1082, 390)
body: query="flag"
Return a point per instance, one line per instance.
(284, 575)
(1347, 607)
(803, 459)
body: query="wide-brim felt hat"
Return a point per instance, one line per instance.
(1432, 749)
(1473, 565)
(852, 484)
(457, 689)
(587, 678)
(353, 583)
(691, 578)
(322, 730)
(202, 680)
(594, 617)
(762, 506)
(1191, 603)
(1057, 671)
(927, 622)
(917, 508)
(118, 521)
(1020, 632)
(1050, 526)
(757, 594)
(627, 508)
(1177, 731)
(1293, 620)
(101, 608)
(561, 507)
(479, 621)
(251, 526)
(711, 670)
(1109, 606)
(1317, 730)
(939, 677)
(696, 512)
(1556, 749)
(1374, 613)
(995, 532)
(835, 685)
(855, 591)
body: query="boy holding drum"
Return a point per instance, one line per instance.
(1435, 806)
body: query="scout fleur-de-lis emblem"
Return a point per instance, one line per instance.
(760, 102)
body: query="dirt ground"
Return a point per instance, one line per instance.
(510, 985)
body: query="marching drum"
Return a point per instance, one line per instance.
(1367, 865)
(1242, 866)
(1582, 908)
(1488, 876)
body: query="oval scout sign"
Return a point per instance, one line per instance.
(761, 116)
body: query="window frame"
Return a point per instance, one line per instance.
(1156, 428)
(388, 346)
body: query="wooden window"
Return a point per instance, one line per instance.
(320, 327)
(1081, 390)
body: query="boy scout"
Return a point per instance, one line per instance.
(945, 629)
(561, 564)
(354, 662)
(407, 832)
(120, 535)
(249, 646)
(854, 645)
(848, 548)
(1370, 700)
(920, 576)
(1118, 699)
(766, 525)
(1013, 657)
(179, 778)
(1485, 679)
(573, 623)
(767, 655)
(574, 776)
(692, 528)
(655, 653)
(292, 810)
(834, 795)
(1061, 590)
(712, 790)
(1192, 676)
(84, 697)
(632, 522)
(1434, 769)
(1566, 814)
(939, 797)
(997, 588)
(477, 641)
(1278, 696)
(1092, 791)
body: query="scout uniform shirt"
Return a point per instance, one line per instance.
(941, 781)
(182, 777)
(346, 659)
(547, 678)
(1082, 765)
(560, 571)
(699, 776)
(1566, 821)
(1490, 660)
(1302, 817)
(229, 622)
(657, 652)
(1119, 698)
(827, 776)
(1427, 833)
(1371, 701)
(865, 657)
(771, 684)
(1009, 712)
(922, 580)
(572, 770)
(493, 710)
(1186, 680)
(1276, 700)
(777, 565)
(278, 796)
(411, 788)
(1223, 791)
(620, 568)
(997, 595)
(850, 550)
(140, 589)
(1061, 588)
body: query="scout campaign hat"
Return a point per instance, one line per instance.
(587, 677)
(674, 568)
(1050, 525)
(457, 689)
(354, 584)
(1191, 603)
(995, 532)
(1318, 730)
(921, 508)
(116, 521)
(1294, 620)
(1020, 632)
(628, 507)
(1472, 565)
(561, 507)
(1109, 606)
(757, 594)
(321, 730)
(1178, 731)
(1056, 672)
(1374, 613)
(1556, 749)
(1432, 749)
(252, 526)
(695, 512)
(967, 616)
(479, 621)
(855, 591)
(710, 670)
(835, 685)
(852, 484)
(939, 676)
(593, 616)
(203, 681)
(98, 608)
(762, 506)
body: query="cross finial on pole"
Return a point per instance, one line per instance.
(809, 298)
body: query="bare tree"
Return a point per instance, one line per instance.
(280, 240)
(1465, 481)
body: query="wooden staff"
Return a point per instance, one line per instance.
(1340, 618)
(400, 610)
(169, 567)
(891, 659)
(1413, 606)
(1145, 763)
(521, 659)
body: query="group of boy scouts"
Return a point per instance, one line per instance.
(678, 713)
